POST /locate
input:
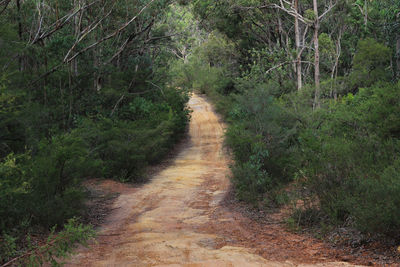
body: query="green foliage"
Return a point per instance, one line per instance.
(12, 134)
(267, 117)
(352, 158)
(57, 246)
(327, 52)
(224, 17)
(251, 181)
(109, 112)
(143, 131)
(212, 67)
(375, 203)
(43, 189)
(310, 15)
(370, 63)
(14, 188)
(8, 248)
(344, 153)
(262, 137)
(54, 175)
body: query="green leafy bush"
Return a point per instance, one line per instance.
(375, 203)
(57, 247)
(142, 134)
(262, 136)
(14, 191)
(55, 174)
(370, 63)
(352, 159)
(250, 178)
(44, 188)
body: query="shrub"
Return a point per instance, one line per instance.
(57, 246)
(125, 147)
(43, 189)
(375, 202)
(250, 178)
(14, 191)
(370, 63)
(262, 136)
(352, 163)
(55, 174)
(263, 116)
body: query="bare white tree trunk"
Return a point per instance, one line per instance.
(334, 72)
(398, 51)
(77, 29)
(298, 48)
(317, 102)
(365, 14)
(21, 57)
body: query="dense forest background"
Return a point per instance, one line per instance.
(99, 89)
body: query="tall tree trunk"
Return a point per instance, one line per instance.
(20, 59)
(97, 65)
(398, 56)
(398, 50)
(280, 31)
(365, 14)
(334, 72)
(317, 102)
(77, 29)
(298, 48)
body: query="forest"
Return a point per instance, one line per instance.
(99, 89)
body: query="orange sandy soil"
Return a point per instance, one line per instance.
(185, 217)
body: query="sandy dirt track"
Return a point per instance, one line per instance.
(177, 220)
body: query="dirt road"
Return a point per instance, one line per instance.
(177, 219)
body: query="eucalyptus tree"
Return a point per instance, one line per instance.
(389, 15)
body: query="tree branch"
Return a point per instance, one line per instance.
(5, 3)
(327, 11)
(88, 30)
(128, 40)
(60, 23)
(285, 63)
(110, 35)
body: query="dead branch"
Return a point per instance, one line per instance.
(60, 23)
(128, 40)
(122, 28)
(88, 30)
(327, 11)
(116, 104)
(5, 3)
(285, 63)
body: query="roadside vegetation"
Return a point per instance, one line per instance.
(318, 127)
(86, 91)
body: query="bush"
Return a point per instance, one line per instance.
(370, 63)
(263, 116)
(55, 175)
(352, 163)
(250, 179)
(263, 139)
(375, 202)
(14, 191)
(45, 188)
(125, 147)
(57, 246)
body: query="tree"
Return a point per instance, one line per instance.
(313, 20)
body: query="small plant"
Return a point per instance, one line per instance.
(292, 224)
(56, 248)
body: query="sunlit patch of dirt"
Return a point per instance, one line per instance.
(182, 216)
